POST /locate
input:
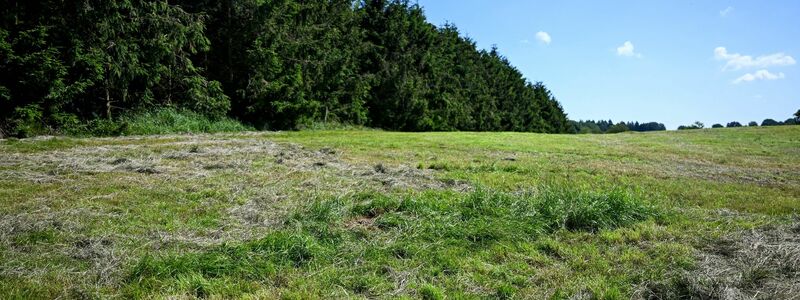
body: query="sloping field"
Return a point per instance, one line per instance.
(709, 214)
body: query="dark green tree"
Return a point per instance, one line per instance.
(617, 128)
(276, 64)
(66, 61)
(695, 125)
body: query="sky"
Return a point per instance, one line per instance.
(674, 62)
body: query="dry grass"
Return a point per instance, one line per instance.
(762, 263)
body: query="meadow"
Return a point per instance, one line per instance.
(699, 214)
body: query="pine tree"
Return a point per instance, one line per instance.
(277, 64)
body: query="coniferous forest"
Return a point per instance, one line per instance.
(270, 64)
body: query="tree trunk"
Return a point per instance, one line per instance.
(229, 46)
(108, 102)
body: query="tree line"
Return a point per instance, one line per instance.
(794, 120)
(272, 64)
(603, 126)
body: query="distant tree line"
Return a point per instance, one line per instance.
(794, 120)
(603, 126)
(772, 122)
(273, 64)
(695, 125)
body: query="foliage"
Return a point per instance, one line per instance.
(619, 127)
(177, 121)
(275, 64)
(603, 126)
(695, 125)
(770, 122)
(162, 121)
(115, 56)
(734, 124)
(794, 120)
(584, 127)
(718, 126)
(649, 126)
(321, 126)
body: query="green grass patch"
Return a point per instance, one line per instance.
(358, 242)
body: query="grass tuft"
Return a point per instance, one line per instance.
(252, 260)
(571, 210)
(430, 292)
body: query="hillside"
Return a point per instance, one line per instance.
(373, 214)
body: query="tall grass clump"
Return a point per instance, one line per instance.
(162, 121)
(359, 242)
(332, 126)
(590, 211)
(169, 120)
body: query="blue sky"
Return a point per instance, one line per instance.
(675, 62)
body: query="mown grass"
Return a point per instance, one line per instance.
(711, 168)
(371, 214)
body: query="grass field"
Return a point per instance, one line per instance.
(705, 214)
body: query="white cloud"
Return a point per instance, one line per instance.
(543, 37)
(725, 12)
(736, 61)
(759, 75)
(627, 49)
